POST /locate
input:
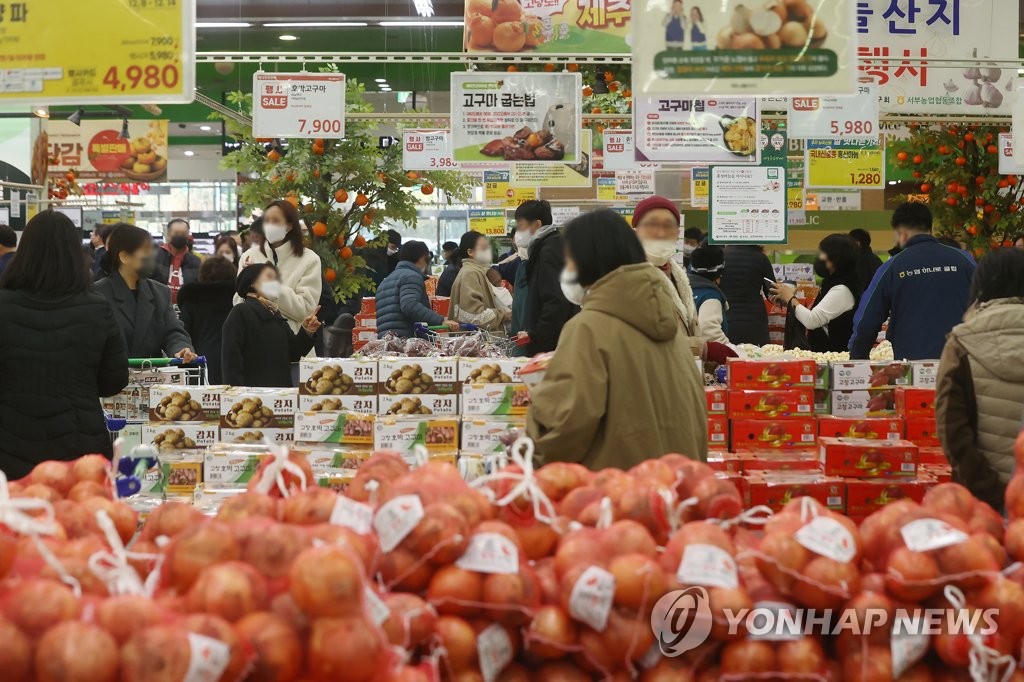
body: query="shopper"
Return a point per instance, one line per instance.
(402, 299)
(98, 242)
(394, 244)
(1018, 241)
(980, 386)
(142, 306)
(226, 247)
(743, 283)
(204, 305)
(656, 221)
(299, 267)
(867, 261)
(547, 309)
(62, 351)
(829, 320)
(448, 275)
(520, 291)
(259, 346)
(692, 238)
(472, 298)
(176, 265)
(706, 267)
(622, 386)
(922, 290)
(508, 262)
(8, 245)
(448, 250)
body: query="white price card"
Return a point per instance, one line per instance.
(352, 514)
(396, 518)
(308, 105)
(829, 538)
(1008, 165)
(924, 535)
(208, 658)
(853, 117)
(634, 182)
(591, 598)
(490, 553)
(619, 152)
(427, 150)
(709, 566)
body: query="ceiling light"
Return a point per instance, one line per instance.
(381, 80)
(188, 152)
(315, 24)
(76, 116)
(398, 24)
(223, 24)
(41, 111)
(424, 8)
(205, 129)
(124, 130)
(287, 36)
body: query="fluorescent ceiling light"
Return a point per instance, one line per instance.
(287, 36)
(188, 152)
(223, 24)
(315, 24)
(205, 128)
(397, 24)
(381, 80)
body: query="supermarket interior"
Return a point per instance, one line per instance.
(511, 341)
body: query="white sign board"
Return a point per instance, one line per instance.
(748, 205)
(839, 201)
(634, 182)
(1008, 165)
(848, 117)
(619, 152)
(73, 212)
(427, 150)
(307, 105)
(560, 215)
(697, 130)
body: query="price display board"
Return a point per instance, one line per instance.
(851, 118)
(97, 52)
(499, 192)
(1007, 164)
(699, 186)
(839, 163)
(747, 205)
(309, 105)
(488, 221)
(427, 150)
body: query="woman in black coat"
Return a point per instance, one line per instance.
(142, 307)
(204, 305)
(746, 268)
(259, 346)
(62, 351)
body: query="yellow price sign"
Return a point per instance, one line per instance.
(488, 221)
(795, 198)
(700, 187)
(498, 190)
(98, 52)
(606, 190)
(844, 164)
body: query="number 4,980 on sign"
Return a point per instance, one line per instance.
(293, 105)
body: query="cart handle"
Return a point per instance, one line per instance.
(137, 363)
(441, 327)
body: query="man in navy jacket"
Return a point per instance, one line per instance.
(923, 290)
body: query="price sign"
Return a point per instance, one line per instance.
(488, 221)
(1008, 165)
(60, 52)
(619, 152)
(850, 118)
(427, 150)
(606, 189)
(844, 164)
(700, 185)
(634, 182)
(498, 190)
(309, 105)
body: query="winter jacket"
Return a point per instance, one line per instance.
(190, 265)
(59, 357)
(923, 292)
(402, 301)
(867, 265)
(301, 281)
(743, 283)
(203, 307)
(473, 300)
(979, 401)
(447, 279)
(259, 346)
(714, 326)
(508, 265)
(622, 386)
(520, 292)
(547, 309)
(147, 320)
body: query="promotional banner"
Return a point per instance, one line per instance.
(555, 174)
(547, 26)
(95, 150)
(911, 33)
(844, 164)
(488, 221)
(747, 205)
(427, 150)
(530, 117)
(704, 130)
(61, 52)
(499, 192)
(750, 47)
(854, 117)
(309, 105)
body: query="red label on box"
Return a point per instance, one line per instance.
(778, 490)
(774, 434)
(717, 400)
(783, 402)
(864, 497)
(921, 430)
(879, 428)
(766, 374)
(718, 432)
(862, 458)
(915, 402)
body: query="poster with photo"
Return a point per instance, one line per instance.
(697, 130)
(547, 26)
(95, 149)
(747, 205)
(556, 174)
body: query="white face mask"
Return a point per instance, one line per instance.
(659, 250)
(274, 232)
(392, 250)
(571, 288)
(688, 249)
(270, 289)
(483, 256)
(523, 239)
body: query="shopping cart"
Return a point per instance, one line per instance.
(452, 342)
(131, 405)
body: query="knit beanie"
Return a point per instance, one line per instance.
(707, 259)
(651, 203)
(245, 284)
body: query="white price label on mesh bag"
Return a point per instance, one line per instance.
(352, 514)
(924, 535)
(591, 598)
(494, 648)
(395, 519)
(490, 553)
(378, 610)
(208, 658)
(709, 566)
(827, 537)
(908, 645)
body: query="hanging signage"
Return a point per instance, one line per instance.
(309, 105)
(634, 182)
(1007, 164)
(500, 193)
(907, 34)
(794, 198)
(488, 221)
(745, 47)
(96, 150)
(619, 152)
(555, 174)
(747, 205)
(606, 189)
(560, 215)
(424, 150)
(700, 185)
(528, 117)
(851, 118)
(705, 130)
(844, 164)
(547, 26)
(61, 52)
(839, 201)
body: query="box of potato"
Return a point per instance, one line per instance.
(364, 404)
(228, 468)
(336, 377)
(175, 474)
(327, 458)
(413, 376)
(405, 433)
(180, 436)
(484, 435)
(490, 370)
(350, 428)
(422, 404)
(172, 403)
(258, 408)
(495, 399)
(273, 436)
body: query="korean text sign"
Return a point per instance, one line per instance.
(548, 26)
(96, 151)
(310, 105)
(697, 130)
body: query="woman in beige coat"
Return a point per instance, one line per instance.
(622, 386)
(472, 299)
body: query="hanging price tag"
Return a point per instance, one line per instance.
(352, 514)
(208, 660)
(591, 598)
(427, 150)
(490, 553)
(709, 566)
(853, 117)
(396, 518)
(924, 535)
(827, 537)
(308, 105)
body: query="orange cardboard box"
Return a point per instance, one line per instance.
(872, 428)
(863, 497)
(774, 434)
(769, 374)
(727, 462)
(863, 458)
(931, 455)
(914, 402)
(783, 402)
(921, 430)
(368, 306)
(776, 489)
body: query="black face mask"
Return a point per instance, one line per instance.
(179, 241)
(820, 269)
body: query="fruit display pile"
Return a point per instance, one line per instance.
(556, 574)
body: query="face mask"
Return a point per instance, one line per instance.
(820, 269)
(523, 253)
(523, 239)
(392, 250)
(571, 288)
(147, 265)
(274, 232)
(658, 250)
(688, 250)
(483, 256)
(271, 289)
(179, 241)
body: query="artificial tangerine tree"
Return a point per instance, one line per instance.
(347, 191)
(957, 168)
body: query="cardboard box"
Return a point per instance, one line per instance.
(440, 305)
(776, 489)
(412, 376)
(484, 436)
(424, 404)
(921, 430)
(258, 408)
(798, 460)
(876, 402)
(782, 402)
(366, 321)
(532, 373)
(132, 402)
(925, 372)
(718, 431)
(226, 469)
(495, 399)
(349, 428)
(768, 374)
(824, 376)
(176, 403)
(490, 370)
(873, 428)
(727, 462)
(404, 433)
(326, 458)
(272, 436)
(332, 377)
(173, 475)
(914, 403)
(178, 436)
(717, 399)
(864, 374)
(364, 334)
(942, 473)
(931, 455)
(363, 404)
(774, 434)
(863, 458)
(864, 497)
(368, 306)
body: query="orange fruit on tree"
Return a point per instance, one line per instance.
(345, 253)
(572, 67)
(359, 242)
(330, 275)
(427, 189)
(70, 176)
(290, 177)
(293, 200)
(318, 150)
(361, 199)
(319, 142)
(273, 155)
(588, 91)
(316, 172)
(308, 208)
(609, 76)
(549, 67)
(412, 175)
(341, 196)
(512, 68)
(340, 241)
(319, 229)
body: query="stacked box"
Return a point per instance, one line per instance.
(755, 435)
(182, 419)
(866, 388)
(726, 462)
(863, 458)
(492, 386)
(877, 428)
(776, 404)
(718, 432)
(334, 466)
(179, 473)
(775, 489)
(717, 400)
(864, 497)
(795, 460)
(258, 415)
(915, 403)
(418, 386)
(860, 404)
(484, 437)
(922, 431)
(762, 375)
(340, 428)
(924, 372)
(230, 466)
(338, 385)
(439, 435)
